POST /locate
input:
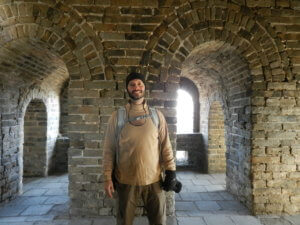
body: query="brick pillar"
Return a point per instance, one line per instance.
(216, 140)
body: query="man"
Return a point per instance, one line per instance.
(136, 157)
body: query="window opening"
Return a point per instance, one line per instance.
(185, 112)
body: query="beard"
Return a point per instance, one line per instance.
(134, 97)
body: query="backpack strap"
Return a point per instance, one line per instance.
(154, 116)
(121, 117)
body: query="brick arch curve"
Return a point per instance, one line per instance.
(235, 24)
(56, 25)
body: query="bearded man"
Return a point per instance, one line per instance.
(135, 155)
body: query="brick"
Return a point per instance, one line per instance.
(282, 86)
(99, 85)
(265, 159)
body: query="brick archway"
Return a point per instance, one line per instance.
(58, 29)
(260, 50)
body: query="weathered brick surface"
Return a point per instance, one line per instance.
(35, 138)
(216, 162)
(60, 155)
(244, 54)
(196, 151)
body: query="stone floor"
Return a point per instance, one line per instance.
(203, 201)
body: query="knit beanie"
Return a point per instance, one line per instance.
(134, 75)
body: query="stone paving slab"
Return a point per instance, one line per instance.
(294, 219)
(177, 197)
(215, 187)
(80, 221)
(37, 210)
(218, 176)
(35, 192)
(231, 205)
(201, 182)
(195, 189)
(246, 220)
(171, 220)
(13, 219)
(12, 210)
(105, 220)
(57, 200)
(185, 206)
(191, 221)
(40, 218)
(140, 221)
(17, 223)
(218, 181)
(208, 205)
(57, 191)
(192, 196)
(194, 213)
(232, 212)
(212, 196)
(54, 222)
(222, 220)
(276, 221)
(29, 200)
(52, 179)
(187, 183)
(60, 211)
(226, 195)
(202, 176)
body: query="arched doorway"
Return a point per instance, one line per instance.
(35, 162)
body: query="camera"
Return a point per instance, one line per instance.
(172, 185)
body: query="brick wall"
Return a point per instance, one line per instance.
(60, 155)
(63, 122)
(197, 156)
(10, 141)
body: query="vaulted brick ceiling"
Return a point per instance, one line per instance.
(27, 62)
(215, 64)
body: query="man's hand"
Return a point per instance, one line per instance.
(171, 183)
(170, 180)
(109, 188)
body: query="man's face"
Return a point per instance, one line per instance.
(136, 89)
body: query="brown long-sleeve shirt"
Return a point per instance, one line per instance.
(143, 150)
